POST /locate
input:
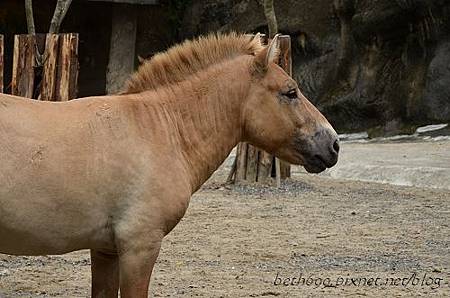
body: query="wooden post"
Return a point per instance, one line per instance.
(68, 71)
(59, 69)
(1, 62)
(48, 91)
(60, 73)
(264, 166)
(241, 163)
(22, 83)
(232, 173)
(286, 63)
(278, 172)
(252, 163)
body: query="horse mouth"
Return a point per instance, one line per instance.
(315, 165)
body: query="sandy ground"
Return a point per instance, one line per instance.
(337, 238)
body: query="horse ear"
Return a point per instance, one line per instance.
(257, 37)
(268, 55)
(273, 51)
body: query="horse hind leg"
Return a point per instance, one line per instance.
(105, 275)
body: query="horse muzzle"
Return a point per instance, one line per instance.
(321, 151)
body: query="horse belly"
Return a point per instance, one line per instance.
(44, 210)
(41, 228)
(29, 242)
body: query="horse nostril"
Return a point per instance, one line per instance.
(336, 146)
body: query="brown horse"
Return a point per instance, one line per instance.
(115, 174)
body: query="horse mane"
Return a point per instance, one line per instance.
(185, 59)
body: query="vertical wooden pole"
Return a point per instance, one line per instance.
(241, 164)
(264, 166)
(60, 74)
(232, 173)
(252, 163)
(68, 67)
(2, 44)
(22, 83)
(278, 172)
(285, 53)
(286, 63)
(49, 76)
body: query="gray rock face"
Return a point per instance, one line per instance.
(365, 64)
(437, 91)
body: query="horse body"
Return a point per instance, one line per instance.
(55, 182)
(114, 174)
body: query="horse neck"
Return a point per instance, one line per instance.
(209, 120)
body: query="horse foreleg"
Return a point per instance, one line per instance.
(136, 267)
(105, 275)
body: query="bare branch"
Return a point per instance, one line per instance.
(31, 28)
(30, 18)
(269, 12)
(62, 6)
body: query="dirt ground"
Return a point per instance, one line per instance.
(336, 238)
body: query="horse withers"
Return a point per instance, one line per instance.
(114, 174)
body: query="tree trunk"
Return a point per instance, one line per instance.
(30, 17)
(271, 18)
(122, 49)
(62, 6)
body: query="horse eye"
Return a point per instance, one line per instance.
(291, 94)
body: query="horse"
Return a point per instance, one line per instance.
(114, 174)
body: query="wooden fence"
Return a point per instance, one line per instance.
(45, 66)
(2, 46)
(253, 164)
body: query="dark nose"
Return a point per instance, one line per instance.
(336, 146)
(329, 144)
(332, 157)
